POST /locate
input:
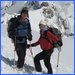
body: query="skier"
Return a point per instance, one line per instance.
(47, 47)
(20, 28)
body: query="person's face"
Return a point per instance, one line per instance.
(23, 16)
(41, 26)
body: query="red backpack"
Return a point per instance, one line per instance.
(57, 33)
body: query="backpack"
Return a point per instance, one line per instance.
(11, 27)
(58, 34)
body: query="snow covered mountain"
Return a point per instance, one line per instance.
(65, 11)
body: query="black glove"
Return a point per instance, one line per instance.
(28, 45)
(30, 37)
(60, 43)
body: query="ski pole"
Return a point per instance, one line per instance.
(58, 60)
(32, 56)
(14, 51)
(31, 50)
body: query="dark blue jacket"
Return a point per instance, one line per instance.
(19, 29)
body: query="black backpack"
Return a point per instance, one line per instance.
(11, 27)
(57, 33)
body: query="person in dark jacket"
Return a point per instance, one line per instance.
(19, 30)
(47, 47)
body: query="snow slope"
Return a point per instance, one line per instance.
(66, 63)
(11, 9)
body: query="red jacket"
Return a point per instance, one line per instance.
(44, 43)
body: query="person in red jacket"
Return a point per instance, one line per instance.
(46, 46)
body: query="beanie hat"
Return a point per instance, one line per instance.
(43, 22)
(24, 10)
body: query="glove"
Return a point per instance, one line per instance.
(60, 43)
(28, 46)
(30, 37)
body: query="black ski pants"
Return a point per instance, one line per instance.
(21, 53)
(46, 57)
